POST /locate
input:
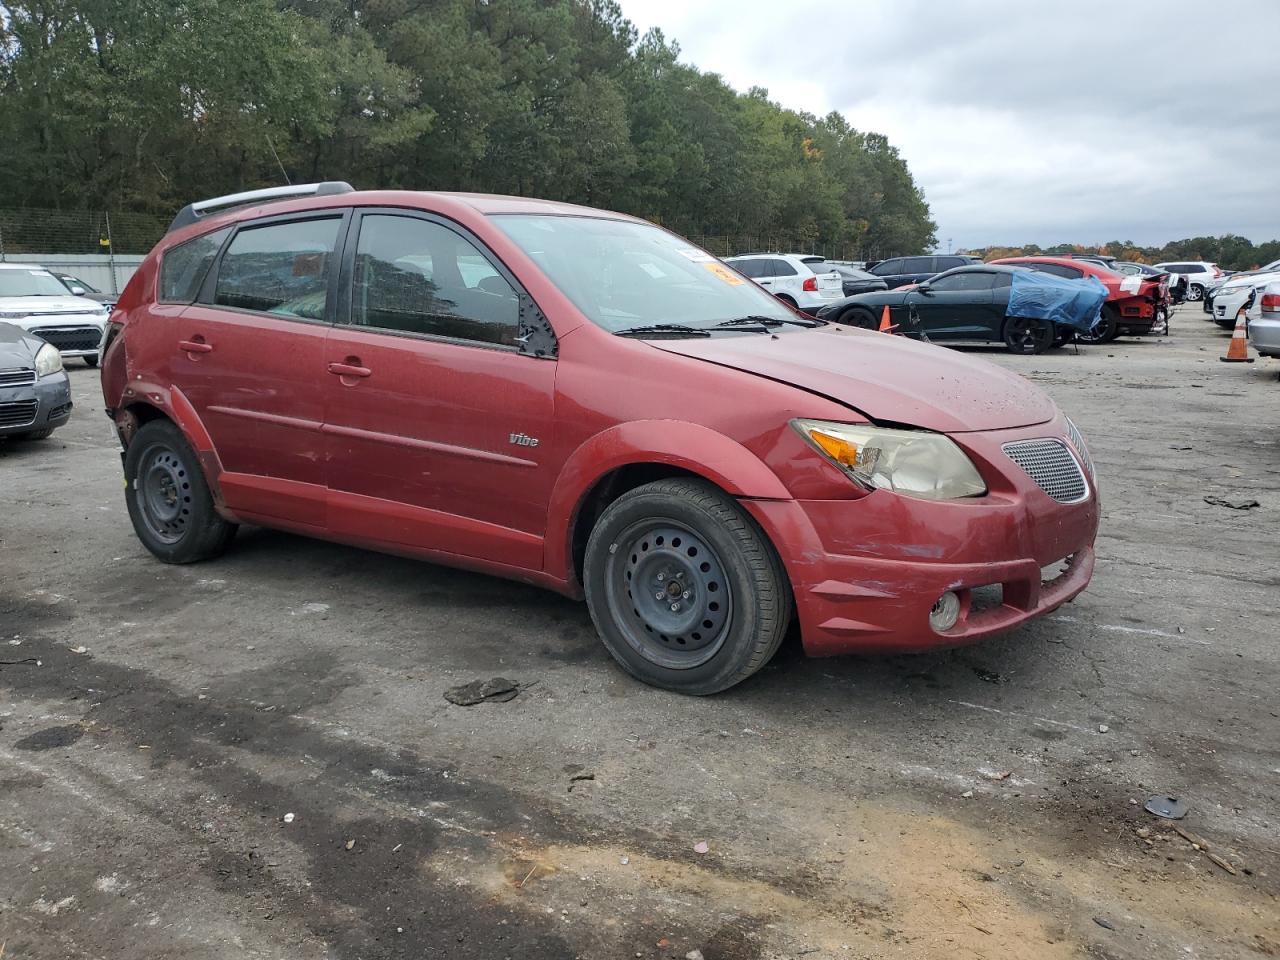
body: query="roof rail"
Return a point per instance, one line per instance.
(202, 208)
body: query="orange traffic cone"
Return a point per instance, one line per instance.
(1238, 352)
(885, 325)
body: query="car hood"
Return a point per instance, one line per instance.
(888, 379)
(17, 347)
(45, 305)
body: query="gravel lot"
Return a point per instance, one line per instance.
(984, 802)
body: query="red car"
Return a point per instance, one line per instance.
(1133, 302)
(585, 401)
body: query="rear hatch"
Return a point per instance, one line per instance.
(829, 284)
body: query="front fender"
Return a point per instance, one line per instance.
(689, 446)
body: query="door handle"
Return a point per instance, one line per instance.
(351, 368)
(196, 345)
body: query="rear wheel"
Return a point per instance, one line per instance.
(1195, 292)
(168, 499)
(1107, 329)
(684, 588)
(1028, 335)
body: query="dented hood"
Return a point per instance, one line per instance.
(889, 379)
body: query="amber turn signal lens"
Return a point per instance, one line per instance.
(843, 452)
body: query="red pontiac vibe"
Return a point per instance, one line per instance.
(584, 401)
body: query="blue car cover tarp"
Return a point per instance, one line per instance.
(1043, 296)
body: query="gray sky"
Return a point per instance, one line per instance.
(1029, 122)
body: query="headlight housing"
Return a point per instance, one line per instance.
(48, 361)
(14, 314)
(914, 463)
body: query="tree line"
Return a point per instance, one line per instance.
(1230, 252)
(145, 105)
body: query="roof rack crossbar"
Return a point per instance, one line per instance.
(194, 211)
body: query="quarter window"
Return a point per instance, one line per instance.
(183, 268)
(1058, 270)
(280, 268)
(416, 276)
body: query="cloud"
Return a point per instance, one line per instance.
(1089, 121)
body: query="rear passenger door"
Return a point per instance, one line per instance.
(248, 355)
(437, 427)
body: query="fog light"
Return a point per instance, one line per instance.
(945, 612)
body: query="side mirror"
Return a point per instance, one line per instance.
(923, 288)
(78, 291)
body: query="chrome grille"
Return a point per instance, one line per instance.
(1082, 449)
(1050, 464)
(17, 378)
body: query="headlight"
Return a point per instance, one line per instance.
(13, 314)
(915, 463)
(48, 361)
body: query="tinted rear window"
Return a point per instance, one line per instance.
(279, 268)
(183, 268)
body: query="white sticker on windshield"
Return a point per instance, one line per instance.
(40, 273)
(653, 270)
(1131, 283)
(697, 256)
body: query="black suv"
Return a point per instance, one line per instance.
(900, 271)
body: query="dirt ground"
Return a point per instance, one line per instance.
(253, 757)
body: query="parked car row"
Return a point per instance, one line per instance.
(41, 303)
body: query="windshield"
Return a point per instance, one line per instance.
(71, 281)
(622, 274)
(30, 283)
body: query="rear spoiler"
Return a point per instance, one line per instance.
(192, 212)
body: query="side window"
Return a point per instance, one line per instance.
(948, 263)
(781, 268)
(748, 268)
(979, 280)
(1001, 279)
(183, 268)
(887, 268)
(417, 276)
(1058, 270)
(280, 268)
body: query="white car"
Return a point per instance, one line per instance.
(34, 299)
(1264, 319)
(1245, 293)
(803, 281)
(1199, 274)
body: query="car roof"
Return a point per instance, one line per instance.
(986, 267)
(24, 266)
(1085, 265)
(443, 202)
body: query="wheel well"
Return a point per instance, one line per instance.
(608, 489)
(132, 417)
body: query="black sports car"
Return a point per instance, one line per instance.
(964, 304)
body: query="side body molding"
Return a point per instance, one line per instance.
(677, 443)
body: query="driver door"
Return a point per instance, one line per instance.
(956, 306)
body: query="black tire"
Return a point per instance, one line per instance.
(1108, 327)
(860, 317)
(90, 361)
(168, 498)
(1028, 335)
(44, 434)
(1195, 293)
(691, 542)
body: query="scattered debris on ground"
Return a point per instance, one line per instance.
(1168, 808)
(1232, 504)
(496, 690)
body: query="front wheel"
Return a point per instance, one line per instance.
(168, 499)
(1195, 293)
(684, 588)
(1028, 335)
(860, 317)
(91, 361)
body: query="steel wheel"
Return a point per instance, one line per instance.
(1028, 335)
(668, 592)
(163, 494)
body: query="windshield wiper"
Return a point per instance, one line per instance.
(757, 321)
(658, 329)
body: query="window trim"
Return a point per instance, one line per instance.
(217, 259)
(210, 285)
(346, 273)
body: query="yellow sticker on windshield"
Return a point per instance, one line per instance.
(723, 272)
